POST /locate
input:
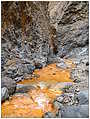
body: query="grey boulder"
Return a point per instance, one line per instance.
(4, 94)
(80, 111)
(9, 84)
(83, 97)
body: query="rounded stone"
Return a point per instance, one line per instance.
(60, 99)
(4, 94)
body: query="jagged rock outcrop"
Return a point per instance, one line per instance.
(27, 37)
(71, 21)
(27, 21)
(8, 87)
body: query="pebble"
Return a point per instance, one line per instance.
(77, 90)
(17, 79)
(57, 104)
(61, 65)
(60, 99)
(66, 99)
(49, 115)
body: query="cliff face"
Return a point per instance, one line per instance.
(34, 22)
(71, 21)
(25, 21)
(33, 30)
(27, 37)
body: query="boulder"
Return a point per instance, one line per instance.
(83, 97)
(9, 84)
(80, 111)
(4, 94)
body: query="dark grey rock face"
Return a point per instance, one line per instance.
(71, 21)
(81, 111)
(12, 72)
(9, 84)
(2, 63)
(28, 68)
(31, 67)
(80, 74)
(4, 94)
(36, 39)
(38, 65)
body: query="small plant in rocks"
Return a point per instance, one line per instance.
(66, 88)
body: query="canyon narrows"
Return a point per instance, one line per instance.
(44, 59)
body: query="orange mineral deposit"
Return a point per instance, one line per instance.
(37, 101)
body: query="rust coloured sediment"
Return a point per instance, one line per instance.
(39, 100)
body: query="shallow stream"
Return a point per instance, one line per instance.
(38, 100)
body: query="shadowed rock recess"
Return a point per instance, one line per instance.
(45, 51)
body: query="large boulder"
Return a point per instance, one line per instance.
(83, 97)
(81, 111)
(4, 94)
(9, 84)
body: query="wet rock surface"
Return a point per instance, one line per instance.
(22, 88)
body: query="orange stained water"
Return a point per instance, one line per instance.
(51, 74)
(39, 100)
(34, 104)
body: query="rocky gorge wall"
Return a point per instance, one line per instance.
(71, 20)
(31, 30)
(26, 34)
